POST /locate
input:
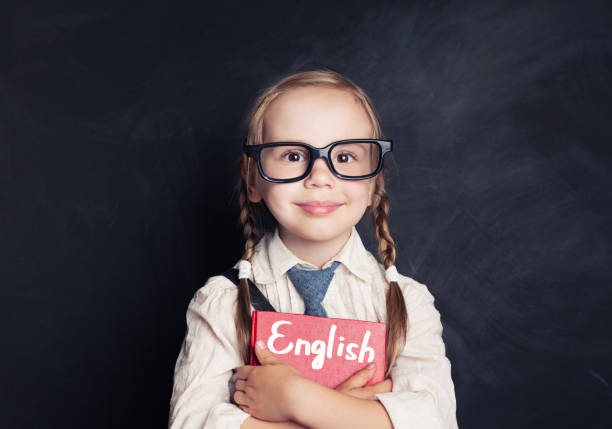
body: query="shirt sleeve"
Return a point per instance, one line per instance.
(209, 352)
(423, 394)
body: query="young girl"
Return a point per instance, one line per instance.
(316, 182)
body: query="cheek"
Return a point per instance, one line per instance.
(277, 196)
(358, 193)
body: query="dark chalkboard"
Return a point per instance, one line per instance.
(114, 211)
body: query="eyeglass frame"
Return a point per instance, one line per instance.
(254, 151)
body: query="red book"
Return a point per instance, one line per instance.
(323, 349)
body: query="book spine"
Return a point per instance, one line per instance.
(253, 337)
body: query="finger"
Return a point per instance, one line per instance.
(244, 371)
(240, 398)
(384, 386)
(360, 378)
(241, 385)
(264, 355)
(387, 385)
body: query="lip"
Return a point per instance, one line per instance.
(319, 207)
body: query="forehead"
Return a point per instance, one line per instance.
(316, 115)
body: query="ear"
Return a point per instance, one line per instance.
(254, 195)
(252, 191)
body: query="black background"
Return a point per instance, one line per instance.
(120, 133)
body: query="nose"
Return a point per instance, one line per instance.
(320, 176)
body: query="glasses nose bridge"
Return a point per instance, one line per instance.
(323, 153)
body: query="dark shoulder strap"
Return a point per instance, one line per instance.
(258, 300)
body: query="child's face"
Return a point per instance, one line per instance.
(317, 116)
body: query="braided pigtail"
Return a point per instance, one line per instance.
(396, 307)
(251, 235)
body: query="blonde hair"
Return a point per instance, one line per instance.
(252, 215)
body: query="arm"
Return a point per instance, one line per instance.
(201, 390)
(317, 406)
(423, 393)
(277, 392)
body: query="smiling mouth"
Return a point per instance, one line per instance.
(319, 207)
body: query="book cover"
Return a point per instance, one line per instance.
(323, 349)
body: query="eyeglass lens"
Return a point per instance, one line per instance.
(349, 159)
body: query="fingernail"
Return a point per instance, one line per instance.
(260, 345)
(370, 366)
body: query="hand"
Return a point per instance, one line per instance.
(355, 385)
(264, 391)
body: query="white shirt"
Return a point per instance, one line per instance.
(423, 393)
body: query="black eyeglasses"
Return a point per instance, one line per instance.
(285, 162)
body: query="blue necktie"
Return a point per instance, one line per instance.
(312, 285)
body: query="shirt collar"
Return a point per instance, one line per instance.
(272, 259)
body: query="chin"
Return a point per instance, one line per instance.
(317, 233)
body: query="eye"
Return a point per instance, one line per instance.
(345, 157)
(293, 156)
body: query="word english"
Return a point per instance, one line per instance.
(319, 348)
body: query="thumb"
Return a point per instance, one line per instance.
(264, 355)
(360, 378)
(384, 386)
